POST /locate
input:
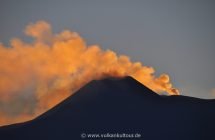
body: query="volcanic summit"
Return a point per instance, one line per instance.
(120, 105)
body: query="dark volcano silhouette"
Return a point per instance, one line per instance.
(120, 105)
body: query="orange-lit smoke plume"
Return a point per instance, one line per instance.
(36, 76)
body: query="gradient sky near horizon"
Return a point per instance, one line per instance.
(176, 37)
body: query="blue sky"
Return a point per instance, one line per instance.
(176, 37)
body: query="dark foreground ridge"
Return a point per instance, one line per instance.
(122, 106)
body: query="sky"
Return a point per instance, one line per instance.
(176, 37)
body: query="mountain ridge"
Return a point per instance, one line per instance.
(120, 105)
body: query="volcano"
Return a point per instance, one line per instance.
(120, 107)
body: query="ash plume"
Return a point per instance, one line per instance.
(36, 76)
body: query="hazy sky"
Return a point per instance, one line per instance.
(175, 37)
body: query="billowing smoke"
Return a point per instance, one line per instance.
(36, 76)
